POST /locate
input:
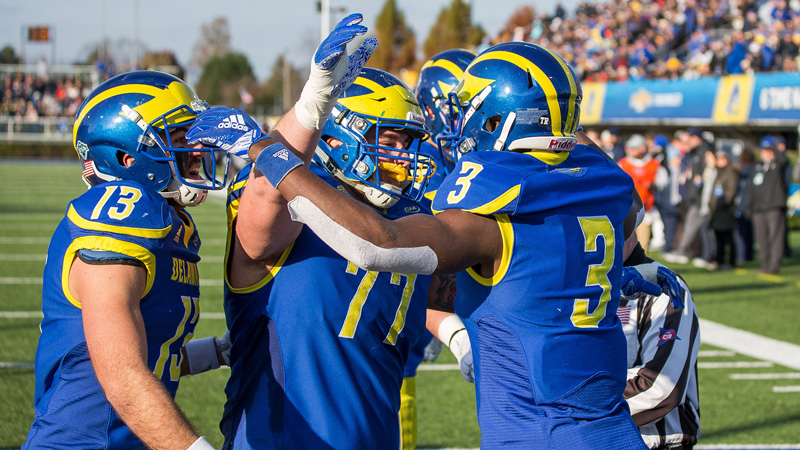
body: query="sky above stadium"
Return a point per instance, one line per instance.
(262, 30)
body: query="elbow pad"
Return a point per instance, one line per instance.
(422, 260)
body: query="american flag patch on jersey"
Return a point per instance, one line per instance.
(88, 169)
(624, 314)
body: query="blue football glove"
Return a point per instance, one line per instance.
(634, 284)
(230, 129)
(330, 73)
(330, 51)
(670, 285)
(665, 279)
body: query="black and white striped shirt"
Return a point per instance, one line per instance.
(662, 368)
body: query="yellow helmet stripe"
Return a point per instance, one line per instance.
(119, 90)
(367, 83)
(541, 78)
(163, 100)
(573, 88)
(448, 65)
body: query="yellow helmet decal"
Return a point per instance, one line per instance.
(473, 85)
(392, 102)
(174, 95)
(573, 88)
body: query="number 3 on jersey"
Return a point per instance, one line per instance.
(593, 228)
(470, 171)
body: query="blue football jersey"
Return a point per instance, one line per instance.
(126, 218)
(319, 347)
(548, 348)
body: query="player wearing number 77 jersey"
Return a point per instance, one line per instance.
(318, 344)
(533, 224)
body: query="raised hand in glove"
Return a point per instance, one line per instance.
(331, 73)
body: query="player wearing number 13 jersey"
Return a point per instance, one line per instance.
(121, 285)
(152, 235)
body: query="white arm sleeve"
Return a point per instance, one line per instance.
(364, 254)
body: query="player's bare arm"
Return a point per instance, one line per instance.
(447, 242)
(116, 339)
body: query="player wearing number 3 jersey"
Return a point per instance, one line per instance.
(533, 224)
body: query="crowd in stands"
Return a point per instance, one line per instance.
(31, 96)
(610, 40)
(707, 206)
(620, 40)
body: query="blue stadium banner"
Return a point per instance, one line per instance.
(776, 98)
(660, 101)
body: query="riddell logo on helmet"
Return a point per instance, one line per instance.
(234, 122)
(558, 144)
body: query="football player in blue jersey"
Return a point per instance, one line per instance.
(319, 345)
(532, 222)
(121, 285)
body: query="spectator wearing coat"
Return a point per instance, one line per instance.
(723, 211)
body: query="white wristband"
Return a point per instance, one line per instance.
(202, 355)
(201, 444)
(449, 327)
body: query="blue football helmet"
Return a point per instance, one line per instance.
(376, 101)
(137, 113)
(516, 96)
(438, 76)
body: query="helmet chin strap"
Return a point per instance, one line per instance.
(184, 195)
(377, 197)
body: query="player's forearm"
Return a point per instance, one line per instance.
(142, 402)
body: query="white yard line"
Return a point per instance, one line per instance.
(16, 365)
(750, 344)
(734, 365)
(785, 389)
(714, 353)
(23, 257)
(437, 367)
(765, 376)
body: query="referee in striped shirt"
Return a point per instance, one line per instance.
(662, 364)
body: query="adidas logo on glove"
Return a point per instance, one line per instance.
(282, 154)
(235, 122)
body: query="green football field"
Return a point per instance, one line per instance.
(743, 399)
